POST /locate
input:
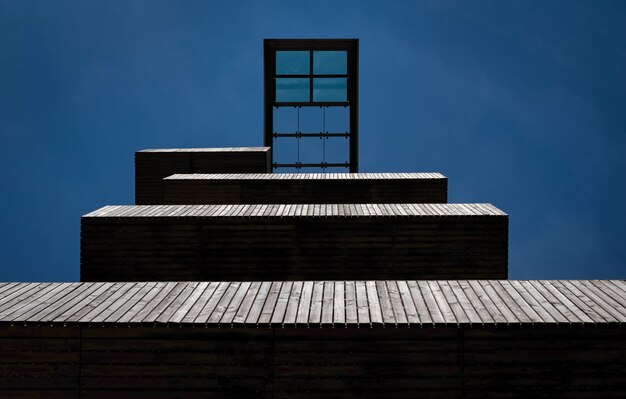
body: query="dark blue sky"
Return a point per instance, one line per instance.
(519, 103)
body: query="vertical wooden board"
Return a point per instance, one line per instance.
(327, 303)
(304, 306)
(376, 316)
(315, 314)
(407, 301)
(339, 303)
(362, 303)
(352, 317)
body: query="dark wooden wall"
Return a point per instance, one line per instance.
(151, 166)
(289, 248)
(161, 362)
(299, 189)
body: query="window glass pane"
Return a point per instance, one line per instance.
(330, 62)
(337, 119)
(292, 90)
(330, 89)
(311, 119)
(292, 62)
(337, 150)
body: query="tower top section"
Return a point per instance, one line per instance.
(311, 94)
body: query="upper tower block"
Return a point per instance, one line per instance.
(311, 91)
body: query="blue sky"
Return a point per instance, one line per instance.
(519, 103)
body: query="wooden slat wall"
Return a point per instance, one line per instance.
(449, 362)
(338, 246)
(151, 166)
(332, 188)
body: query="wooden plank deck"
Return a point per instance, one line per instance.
(321, 303)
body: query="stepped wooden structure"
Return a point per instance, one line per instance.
(227, 281)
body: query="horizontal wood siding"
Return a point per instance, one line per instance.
(291, 248)
(303, 189)
(151, 166)
(97, 362)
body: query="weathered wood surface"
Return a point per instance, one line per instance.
(294, 242)
(151, 166)
(335, 304)
(305, 188)
(449, 362)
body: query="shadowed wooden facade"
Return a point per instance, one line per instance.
(314, 188)
(151, 166)
(366, 339)
(294, 242)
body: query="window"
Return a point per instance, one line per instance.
(327, 82)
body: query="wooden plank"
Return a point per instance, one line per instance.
(278, 314)
(315, 314)
(339, 303)
(305, 304)
(361, 303)
(352, 317)
(327, 303)
(376, 316)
